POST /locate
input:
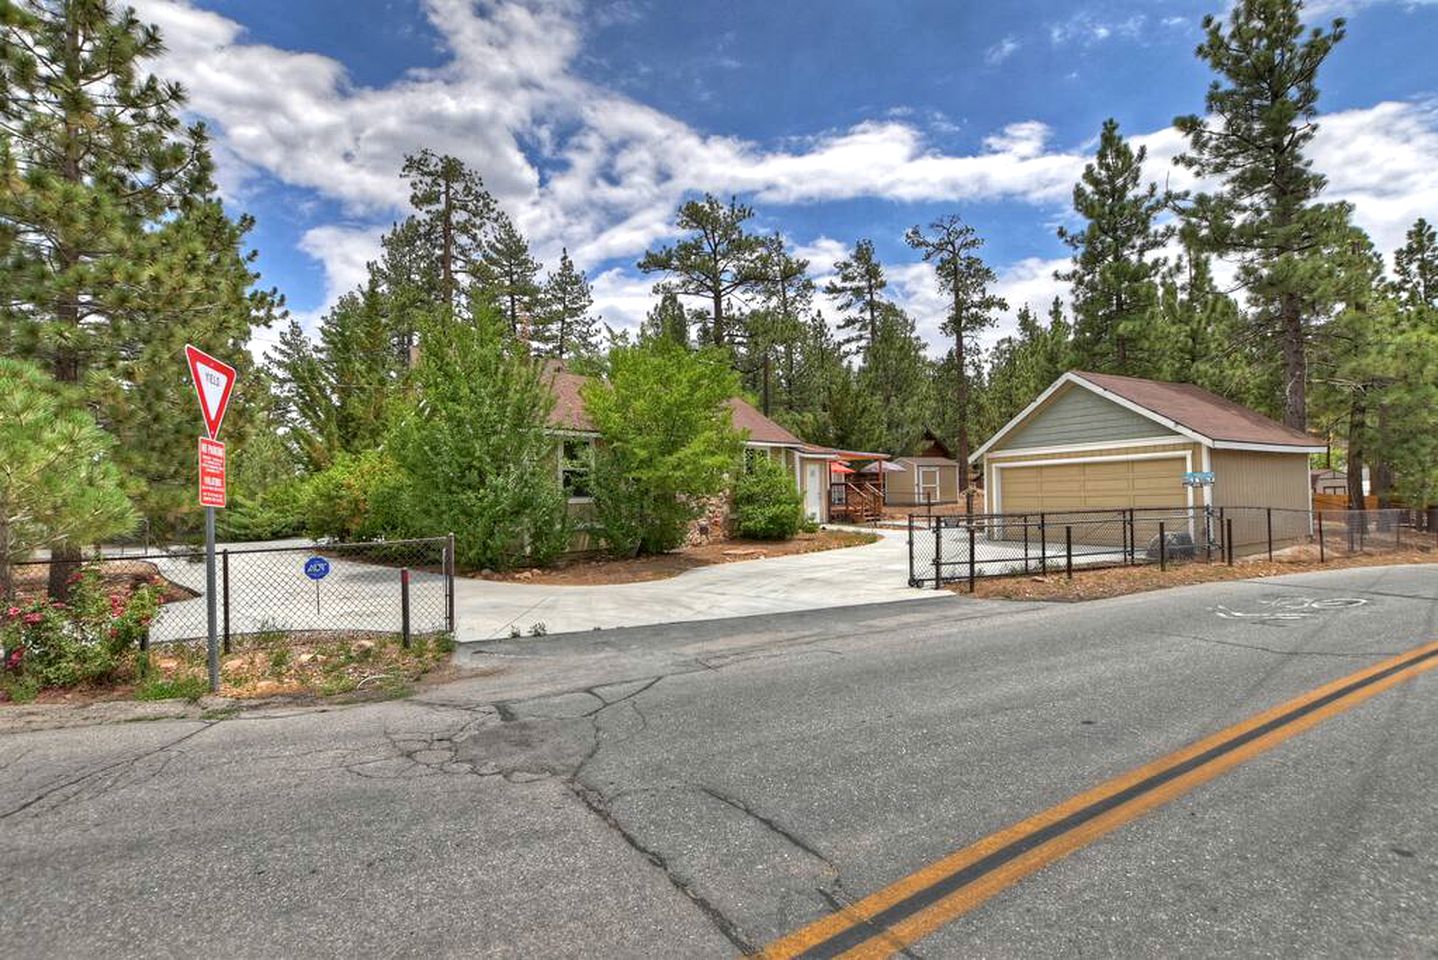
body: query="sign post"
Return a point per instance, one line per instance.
(214, 379)
(317, 568)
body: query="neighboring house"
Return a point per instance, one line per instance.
(1099, 441)
(930, 476)
(1335, 482)
(570, 423)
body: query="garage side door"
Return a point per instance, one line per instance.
(1110, 484)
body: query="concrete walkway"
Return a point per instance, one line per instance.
(875, 573)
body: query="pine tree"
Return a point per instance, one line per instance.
(785, 294)
(667, 318)
(506, 277)
(1115, 291)
(565, 326)
(714, 262)
(900, 378)
(407, 273)
(1260, 119)
(114, 250)
(858, 288)
(951, 247)
(58, 486)
(1416, 267)
(454, 214)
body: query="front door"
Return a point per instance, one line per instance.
(928, 484)
(814, 489)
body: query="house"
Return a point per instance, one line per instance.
(570, 423)
(930, 476)
(1100, 441)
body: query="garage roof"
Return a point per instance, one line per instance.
(1181, 407)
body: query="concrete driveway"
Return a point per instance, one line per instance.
(875, 573)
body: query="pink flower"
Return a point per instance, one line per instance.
(12, 661)
(34, 618)
(13, 612)
(58, 604)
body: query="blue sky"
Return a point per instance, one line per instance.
(847, 119)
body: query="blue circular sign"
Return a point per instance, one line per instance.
(317, 568)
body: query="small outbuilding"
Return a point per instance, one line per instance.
(930, 476)
(1101, 441)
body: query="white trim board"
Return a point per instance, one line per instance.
(1174, 439)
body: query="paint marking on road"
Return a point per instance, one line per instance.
(906, 911)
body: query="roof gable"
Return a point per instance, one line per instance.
(1075, 415)
(1181, 408)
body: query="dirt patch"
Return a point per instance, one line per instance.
(32, 580)
(602, 570)
(1120, 581)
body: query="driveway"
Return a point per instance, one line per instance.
(875, 573)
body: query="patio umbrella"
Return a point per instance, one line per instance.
(839, 468)
(882, 466)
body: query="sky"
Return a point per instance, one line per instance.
(591, 122)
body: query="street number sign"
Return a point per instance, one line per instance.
(214, 379)
(212, 473)
(317, 568)
(1198, 478)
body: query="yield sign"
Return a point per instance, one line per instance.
(214, 379)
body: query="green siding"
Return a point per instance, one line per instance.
(1077, 415)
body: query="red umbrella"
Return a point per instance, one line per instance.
(839, 468)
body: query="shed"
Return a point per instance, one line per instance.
(1101, 441)
(930, 476)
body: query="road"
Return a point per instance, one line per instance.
(705, 790)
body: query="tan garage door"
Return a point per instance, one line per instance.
(1093, 486)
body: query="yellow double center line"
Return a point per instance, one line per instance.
(903, 912)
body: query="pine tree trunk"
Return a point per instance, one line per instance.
(963, 406)
(1295, 365)
(1382, 470)
(1357, 417)
(718, 332)
(767, 367)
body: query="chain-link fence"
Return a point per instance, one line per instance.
(310, 590)
(950, 549)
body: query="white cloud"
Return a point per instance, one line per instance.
(616, 168)
(1001, 51)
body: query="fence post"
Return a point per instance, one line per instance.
(1026, 543)
(404, 606)
(449, 563)
(971, 557)
(1208, 534)
(225, 593)
(1132, 535)
(1319, 515)
(1162, 548)
(1228, 539)
(1069, 552)
(1270, 534)
(1398, 534)
(939, 553)
(911, 549)
(1043, 547)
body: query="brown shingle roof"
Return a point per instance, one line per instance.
(569, 412)
(1199, 410)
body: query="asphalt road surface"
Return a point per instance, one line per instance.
(946, 778)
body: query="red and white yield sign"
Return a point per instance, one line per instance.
(214, 379)
(212, 473)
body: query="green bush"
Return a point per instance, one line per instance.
(667, 442)
(278, 512)
(476, 449)
(360, 497)
(767, 504)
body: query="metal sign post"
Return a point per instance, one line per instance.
(317, 568)
(214, 380)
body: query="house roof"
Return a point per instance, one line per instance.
(929, 461)
(569, 413)
(1181, 407)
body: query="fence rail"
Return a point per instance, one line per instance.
(399, 586)
(965, 547)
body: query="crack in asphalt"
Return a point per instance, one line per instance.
(118, 767)
(1281, 653)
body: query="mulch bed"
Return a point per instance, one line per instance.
(118, 576)
(597, 571)
(1120, 581)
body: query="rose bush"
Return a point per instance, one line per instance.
(94, 637)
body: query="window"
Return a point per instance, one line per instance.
(576, 465)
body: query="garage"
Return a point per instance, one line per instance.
(1105, 442)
